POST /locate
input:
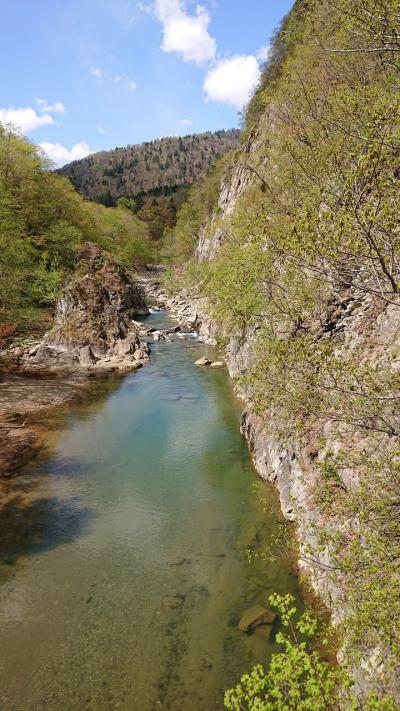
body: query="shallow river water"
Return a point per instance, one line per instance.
(123, 572)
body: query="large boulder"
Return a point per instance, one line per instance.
(94, 325)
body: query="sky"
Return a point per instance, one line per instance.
(81, 76)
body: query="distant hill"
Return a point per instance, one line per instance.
(157, 167)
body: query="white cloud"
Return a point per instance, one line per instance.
(56, 108)
(96, 72)
(166, 10)
(186, 122)
(147, 9)
(232, 80)
(100, 129)
(25, 119)
(262, 54)
(132, 85)
(60, 155)
(185, 34)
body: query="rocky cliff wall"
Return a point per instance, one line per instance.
(360, 323)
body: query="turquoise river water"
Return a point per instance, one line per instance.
(123, 572)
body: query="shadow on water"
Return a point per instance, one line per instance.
(33, 526)
(32, 520)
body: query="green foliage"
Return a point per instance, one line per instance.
(60, 242)
(314, 233)
(198, 207)
(282, 44)
(328, 467)
(365, 553)
(44, 224)
(297, 677)
(46, 282)
(121, 232)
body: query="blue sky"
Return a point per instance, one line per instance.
(87, 75)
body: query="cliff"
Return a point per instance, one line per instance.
(296, 271)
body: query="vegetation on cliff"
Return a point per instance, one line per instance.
(304, 255)
(308, 249)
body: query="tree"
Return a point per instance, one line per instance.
(297, 677)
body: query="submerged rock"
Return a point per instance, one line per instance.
(264, 632)
(175, 601)
(255, 617)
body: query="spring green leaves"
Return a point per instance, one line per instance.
(297, 677)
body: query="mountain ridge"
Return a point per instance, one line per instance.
(161, 166)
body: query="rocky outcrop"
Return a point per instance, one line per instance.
(186, 307)
(94, 326)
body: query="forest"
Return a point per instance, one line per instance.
(159, 167)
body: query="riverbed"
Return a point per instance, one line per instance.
(123, 564)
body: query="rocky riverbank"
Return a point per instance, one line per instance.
(27, 405)
(94, 334)
(292, 463)
(286, 462)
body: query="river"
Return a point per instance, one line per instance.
(123, 571)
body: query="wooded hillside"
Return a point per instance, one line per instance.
(157, 167)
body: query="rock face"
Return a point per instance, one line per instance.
(291, 462)
(93, 323)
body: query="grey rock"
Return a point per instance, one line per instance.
(94, 327)
(201, 362)
(86, 356)
(158, 336)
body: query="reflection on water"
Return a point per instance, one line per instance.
(122, 566)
